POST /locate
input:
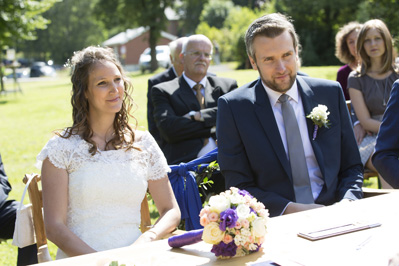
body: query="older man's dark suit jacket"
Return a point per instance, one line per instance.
(385, 157)
(252, 156)
(5, 186)
(164, 76)
(172, 100)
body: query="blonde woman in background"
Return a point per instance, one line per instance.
(370, 85)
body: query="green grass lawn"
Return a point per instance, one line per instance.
(28, 119)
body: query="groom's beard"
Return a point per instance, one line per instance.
(281, 87)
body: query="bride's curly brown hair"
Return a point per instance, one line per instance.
(81, 64)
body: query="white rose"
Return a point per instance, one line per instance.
(320, 113)
(212, 234)
(252, 216)
(242, 211)
(219, 203)
(259, 227)
(236, 198)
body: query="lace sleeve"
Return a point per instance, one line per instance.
(158, 167)
(57, 150)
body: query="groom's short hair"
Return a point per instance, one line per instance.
(270, 26)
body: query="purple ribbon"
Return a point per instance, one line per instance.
(191, 237)
(316, 127)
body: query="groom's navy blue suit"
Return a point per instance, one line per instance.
(252, 156)
(385, 158)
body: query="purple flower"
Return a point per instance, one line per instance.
(255, 249)
(225, 250)
(228, 218)
(244, 193)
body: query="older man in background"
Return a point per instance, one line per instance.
(185, 108)
(175, 71)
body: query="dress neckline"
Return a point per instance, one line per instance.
(381, 79)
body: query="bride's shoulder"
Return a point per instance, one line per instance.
(141, 135)
(62, 140)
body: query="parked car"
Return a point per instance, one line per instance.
(163, 59)
(39, 69)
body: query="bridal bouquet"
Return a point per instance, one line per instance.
(234, 223)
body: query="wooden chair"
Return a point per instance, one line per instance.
(349, 106)
(371, 192)
(35, 197)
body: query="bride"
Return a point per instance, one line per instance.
(96, 172)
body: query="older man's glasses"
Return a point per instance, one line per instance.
(197, 54)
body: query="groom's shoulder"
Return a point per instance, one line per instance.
(243, 92)
(319, 82)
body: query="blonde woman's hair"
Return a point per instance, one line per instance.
(388, 58)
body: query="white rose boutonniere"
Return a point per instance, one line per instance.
(319, 116)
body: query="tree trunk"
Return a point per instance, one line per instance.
(153, 44)
(2, 89)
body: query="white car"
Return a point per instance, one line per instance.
(163, 59)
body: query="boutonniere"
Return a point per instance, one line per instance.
(319, 116)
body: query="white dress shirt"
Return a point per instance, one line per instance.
(316, 180)
(211, 143)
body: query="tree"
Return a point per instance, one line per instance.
(190, 11)
(230, 37)
(237, 23)
(216, 12)
(18, 20)
(316, 23)
(252, 4)
(72, 28)
(386, 10)
(149, 13)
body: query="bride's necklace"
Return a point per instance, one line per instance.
(103, 145)
(384, 97)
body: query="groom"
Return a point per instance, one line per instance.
(268, 147)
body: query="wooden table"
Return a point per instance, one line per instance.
(282, 245)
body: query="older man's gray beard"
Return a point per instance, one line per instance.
(276, 87)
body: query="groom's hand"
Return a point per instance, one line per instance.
(293, 207)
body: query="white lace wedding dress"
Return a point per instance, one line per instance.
(106, 190)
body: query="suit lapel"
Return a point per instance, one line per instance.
(266, 118)
(211, 94)
(309, 103)
(187, 96)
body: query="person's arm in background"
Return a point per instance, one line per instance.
(5, 185)
(174, 127)
(358, 130)
(342, 78)
(362, 111)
